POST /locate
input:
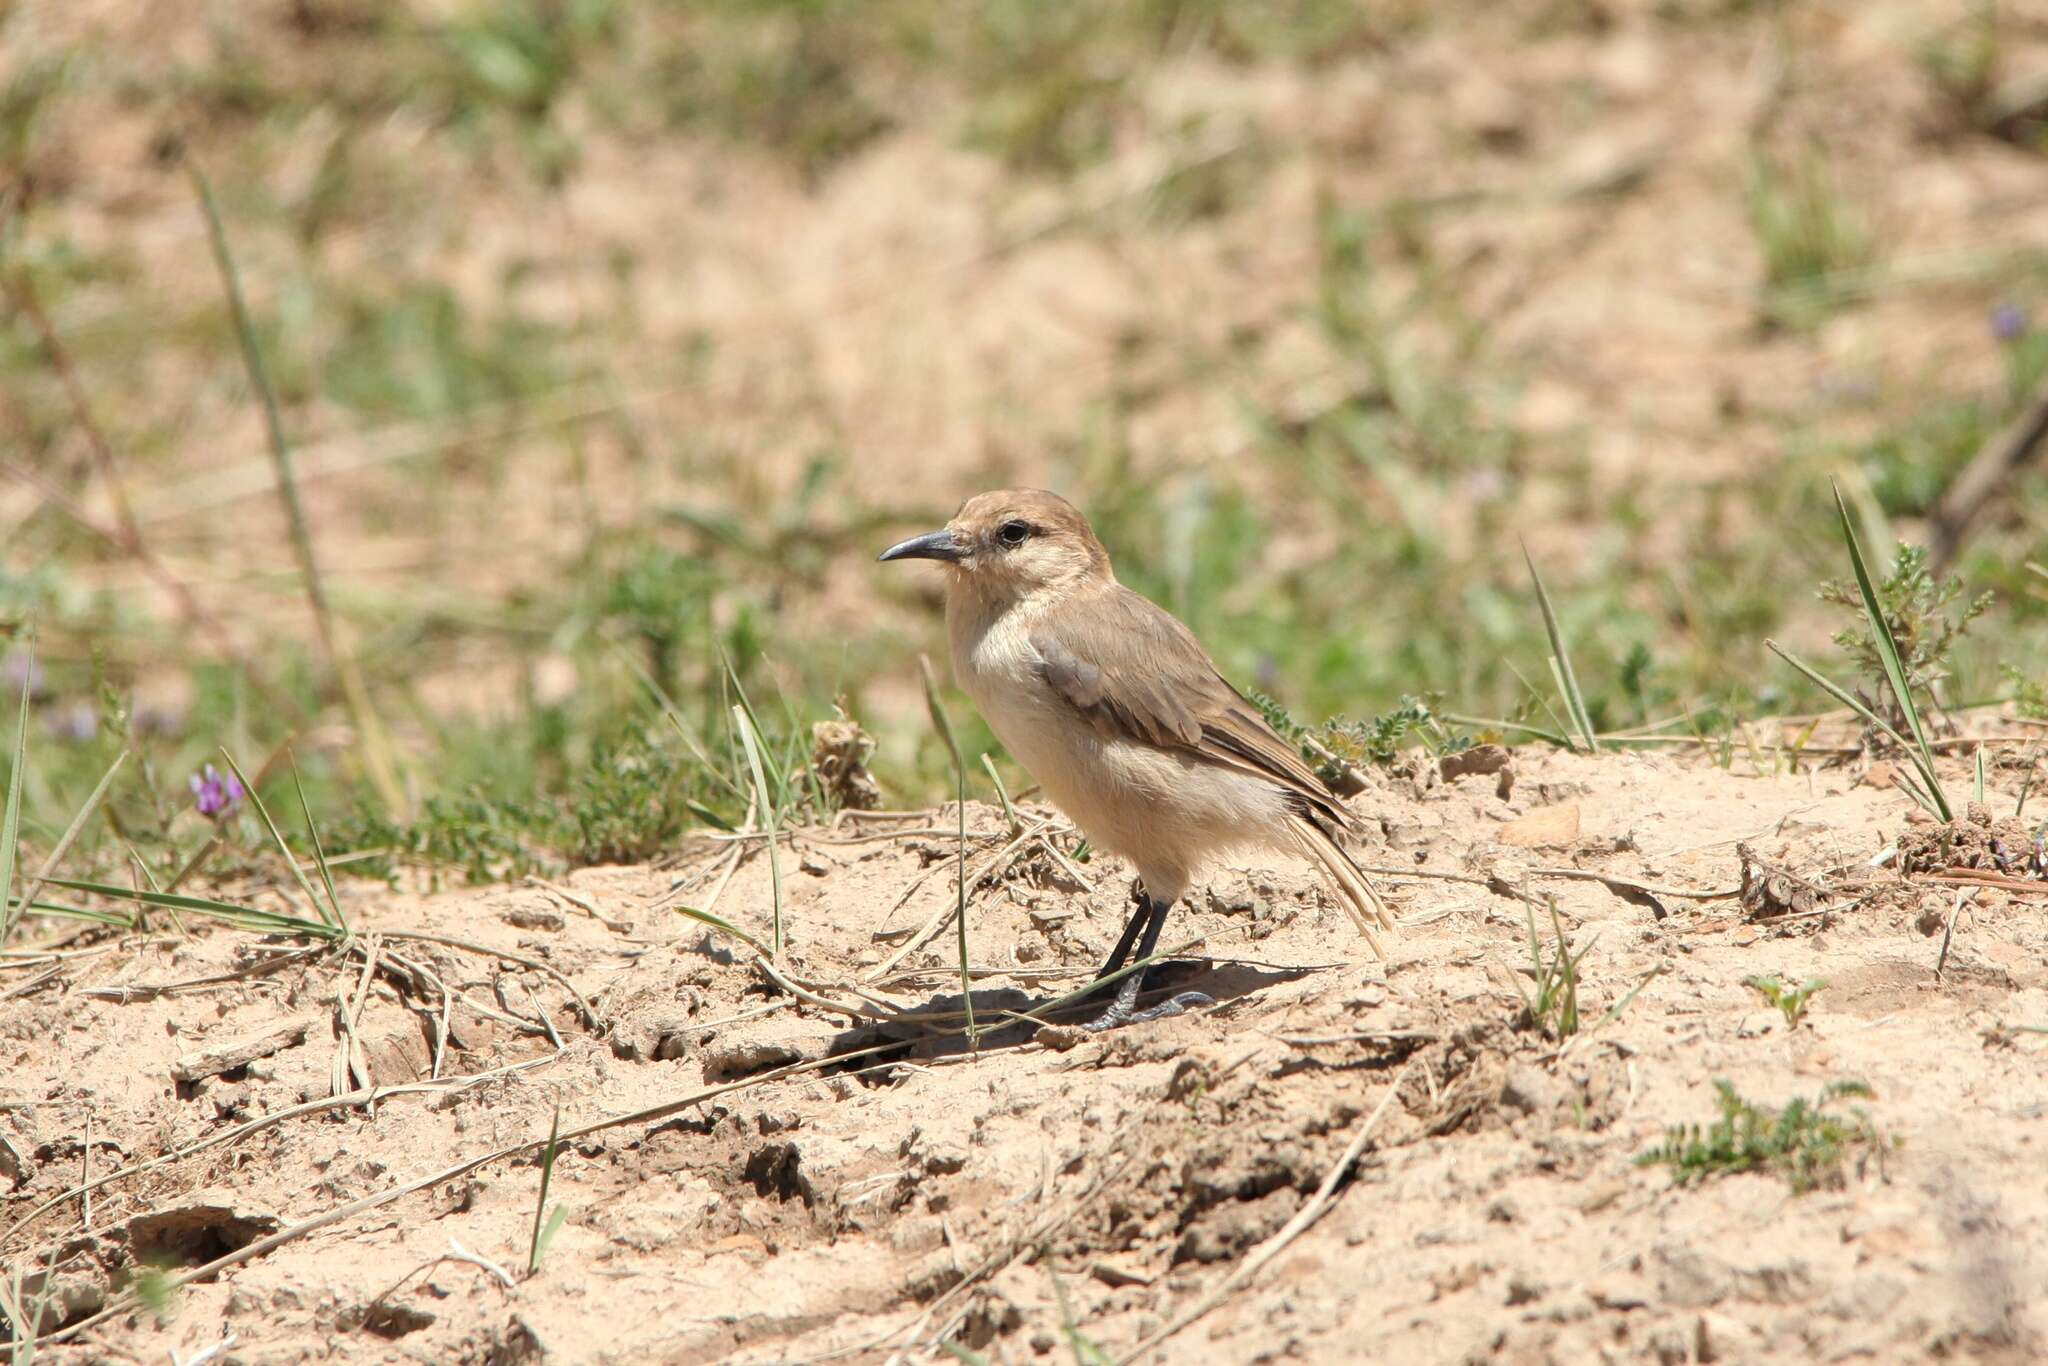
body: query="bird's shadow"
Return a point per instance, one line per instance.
(935, 1027)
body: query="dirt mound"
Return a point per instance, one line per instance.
(1343, 1159)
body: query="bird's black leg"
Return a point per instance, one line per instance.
(1146, 922)
(1141, 907)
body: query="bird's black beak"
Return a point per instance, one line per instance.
(933, 545)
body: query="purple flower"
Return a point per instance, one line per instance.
(2008, 323)
(215, 796)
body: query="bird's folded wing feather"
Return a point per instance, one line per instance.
(1137, 674)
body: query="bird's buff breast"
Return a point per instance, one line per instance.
(1166, 812)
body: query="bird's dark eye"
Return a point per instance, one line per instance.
(1013, 533)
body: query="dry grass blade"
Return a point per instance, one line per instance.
(1265, 1252)
(945, 729)
(938, 917)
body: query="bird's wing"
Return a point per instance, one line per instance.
(1136, 673)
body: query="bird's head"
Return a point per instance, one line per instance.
(1013, 544)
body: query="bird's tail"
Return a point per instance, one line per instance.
(1346, 878)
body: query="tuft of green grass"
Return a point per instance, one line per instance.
(1550, 1001)
(1805, 1143)
(1790, 1001)
(1810, 234)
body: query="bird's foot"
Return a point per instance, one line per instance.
(1124, 1009)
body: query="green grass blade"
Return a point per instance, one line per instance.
(10, 818)
(544, 1228)
(723, 926)
(1561, 661)
(256, 800)
(1549, 737)
(1888, 654)
(377, 754)
(319, 854)
(76, 913)
(248, 917)
(1564, 725)
(1977, 781)
(779, 781)
(743, 719)
(1002, 795)
(1857, 705)
(945, 730)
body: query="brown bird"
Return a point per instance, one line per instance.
(1120, 714)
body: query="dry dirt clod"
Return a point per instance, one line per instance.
(533, 918)
(1478, 759)
(229, 1054)
(1546, 827)
(741, 1052)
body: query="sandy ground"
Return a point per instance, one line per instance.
(775, 1202)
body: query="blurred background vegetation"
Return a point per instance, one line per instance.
(610, 340)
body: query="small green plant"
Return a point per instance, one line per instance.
(1791, 1001)
(546, 1222)
(1340, 741)
(1379, 740)
(2029, 694)
(156, 1285)
(1917, 615)
(1551, 1002)
(1925, 788)
(1804, 1142)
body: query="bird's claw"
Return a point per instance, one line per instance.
(1123, 1012)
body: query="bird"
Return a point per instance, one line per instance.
(1124, 721)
